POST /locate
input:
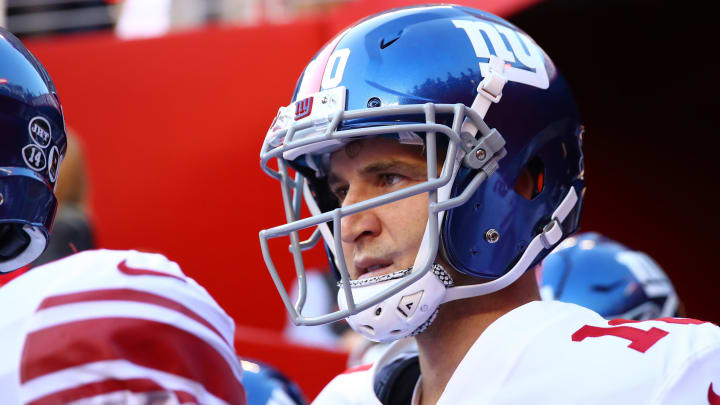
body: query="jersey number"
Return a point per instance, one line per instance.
(640, 339)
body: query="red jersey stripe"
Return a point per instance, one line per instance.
(125, 294)
(357, 368)
(7, 277)
(137, 385)
(131, 271)
(146, 343)
(185, 397)
(713, 398)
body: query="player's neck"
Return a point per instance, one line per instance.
(458, 325)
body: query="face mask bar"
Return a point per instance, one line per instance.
(461, 148)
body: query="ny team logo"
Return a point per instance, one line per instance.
(524, 60)
(303, 108)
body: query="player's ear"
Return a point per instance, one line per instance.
(530, 181)
(524, 184)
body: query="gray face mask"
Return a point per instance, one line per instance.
(316, 136)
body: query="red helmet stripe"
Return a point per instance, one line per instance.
(312, 78)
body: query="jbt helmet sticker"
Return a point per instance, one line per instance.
(53, 163)
(34, 157)
(39, 129)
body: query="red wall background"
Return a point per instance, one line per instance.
(172, 129)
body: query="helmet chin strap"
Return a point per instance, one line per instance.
(31, 252)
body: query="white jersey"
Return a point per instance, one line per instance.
(556, 353)
(114, 327)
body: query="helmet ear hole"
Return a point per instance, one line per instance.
(13, 241)
(531, 180)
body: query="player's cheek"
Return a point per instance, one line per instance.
(409, 218)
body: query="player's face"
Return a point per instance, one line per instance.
(386, 238)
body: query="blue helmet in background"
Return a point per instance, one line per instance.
(32, 145)
(616, 282)
(265, 385)
(488, 105)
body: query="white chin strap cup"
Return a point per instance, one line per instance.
(403, 313)
(31, 252)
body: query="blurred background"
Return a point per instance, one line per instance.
(170, 101)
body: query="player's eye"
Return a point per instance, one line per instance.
(340, 192)
(391, 179)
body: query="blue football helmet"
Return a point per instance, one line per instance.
(265, 385)
(31, 150)
(472, 89)
(607, 277)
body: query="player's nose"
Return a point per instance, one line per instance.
(361, 225)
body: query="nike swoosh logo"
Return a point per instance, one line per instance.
(713, 398)
(130, 271)
(384, 44)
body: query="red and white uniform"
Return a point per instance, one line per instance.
(114, 327)
(557, 353)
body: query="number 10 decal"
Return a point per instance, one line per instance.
(335, 68)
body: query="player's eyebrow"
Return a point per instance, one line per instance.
(408, 169)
